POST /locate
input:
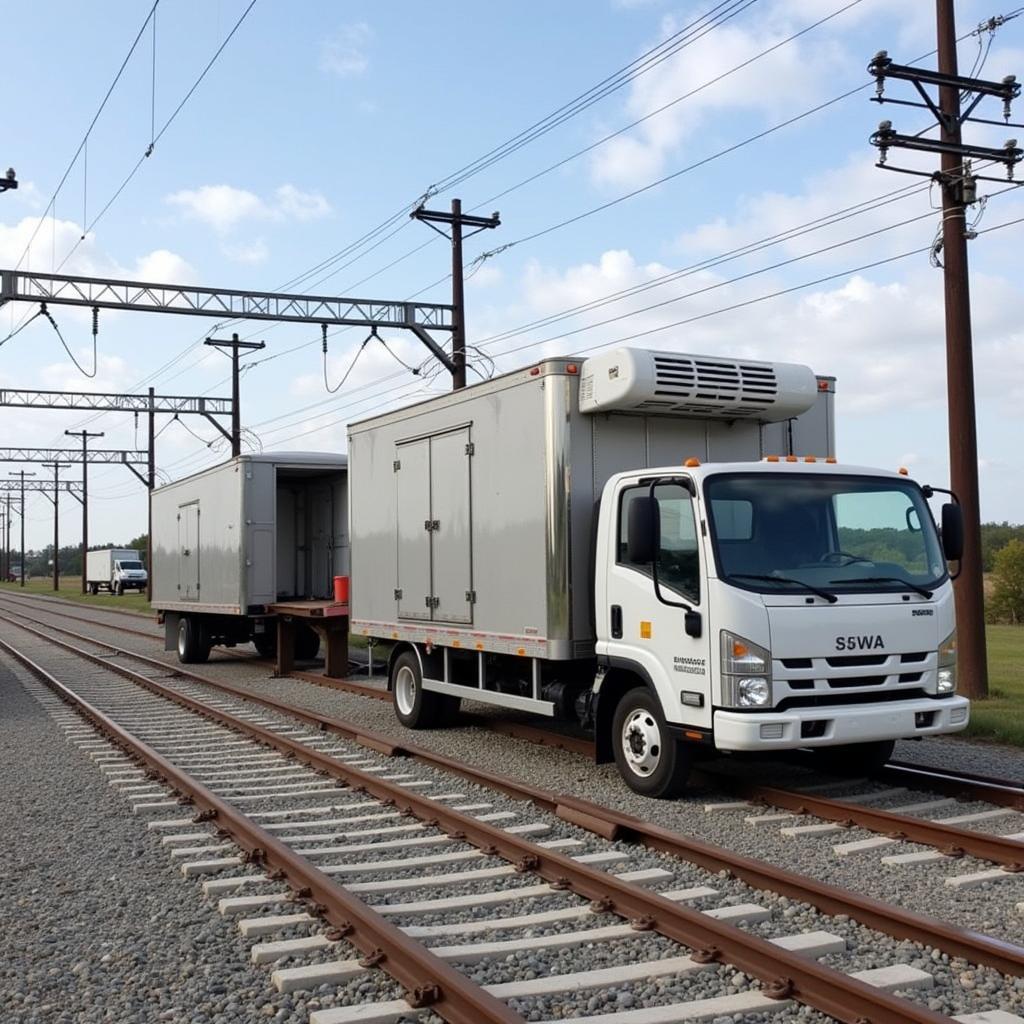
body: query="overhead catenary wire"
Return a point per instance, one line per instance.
(88, 131)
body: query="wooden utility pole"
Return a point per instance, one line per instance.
(55, 498)
(21, 474)
(958, 183)
(84, 435)
(235, 344)
(457, 221)
(963, 439)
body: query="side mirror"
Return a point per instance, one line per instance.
(642, 530)
(952, 532)
(692, 624)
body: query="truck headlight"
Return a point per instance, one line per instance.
(946, 675)
(746, 673)
(754, 692)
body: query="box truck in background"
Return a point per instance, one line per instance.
(116, 570)
(232, 540)
(661, 547)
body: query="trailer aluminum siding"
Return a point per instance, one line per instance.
(225, 539)
(472, 514)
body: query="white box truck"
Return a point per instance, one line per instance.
(116, 570)
(662, 547)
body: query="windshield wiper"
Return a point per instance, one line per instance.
(923, 591)
(831, 598)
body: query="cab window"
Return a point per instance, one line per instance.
(678, 559)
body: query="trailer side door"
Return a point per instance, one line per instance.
(188, 551)
(413, 592)
(450, 539)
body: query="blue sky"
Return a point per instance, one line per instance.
(321, 120)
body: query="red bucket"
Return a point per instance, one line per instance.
(341, 589)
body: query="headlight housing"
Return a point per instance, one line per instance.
(746, 673)
(946, 674)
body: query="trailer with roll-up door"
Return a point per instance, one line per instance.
(660, 546)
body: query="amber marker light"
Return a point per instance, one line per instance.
(692, 462)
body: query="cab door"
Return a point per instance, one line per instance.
(648, 632)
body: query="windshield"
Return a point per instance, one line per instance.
(130, 565)
(833, 532)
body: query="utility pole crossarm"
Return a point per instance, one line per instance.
(221, 303)
(40, 486)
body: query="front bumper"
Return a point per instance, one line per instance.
(860, 723)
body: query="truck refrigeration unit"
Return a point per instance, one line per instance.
(116, 570)
(662, 547)
(232, 540)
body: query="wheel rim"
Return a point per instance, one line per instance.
(641, 742)
(405, 689)
(181, 640)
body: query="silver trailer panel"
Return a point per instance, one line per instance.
(472, 513)
(249, 532)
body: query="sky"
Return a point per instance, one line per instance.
(321, 125)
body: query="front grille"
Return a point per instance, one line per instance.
(851, 681)
(824, 700)
(852, 660)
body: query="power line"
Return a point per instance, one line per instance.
(88, 131)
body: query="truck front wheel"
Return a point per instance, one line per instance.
(119, 588)
(651, 761)
(853, 758)
(192, 644)
(415, 707)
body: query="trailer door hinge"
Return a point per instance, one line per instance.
(398, 594)
(396, 465)
(471, 597)
(471, 448)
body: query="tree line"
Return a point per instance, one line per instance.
(40, 562)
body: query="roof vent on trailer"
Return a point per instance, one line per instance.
(674, 384)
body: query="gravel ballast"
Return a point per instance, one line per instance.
(959, 988)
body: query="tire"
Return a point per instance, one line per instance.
(119, 589)
(94, 589)
(266, 644)
(854, 758)
(193, 648)
(307, 643)
(650, 760)
(415, 707)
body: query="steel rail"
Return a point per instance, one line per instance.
(968, 785)
(785, 975)
(949, 839)
(428, 980)
(81, 618)
(973, 946)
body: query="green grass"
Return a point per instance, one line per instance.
(1000, 717)
(71, 590)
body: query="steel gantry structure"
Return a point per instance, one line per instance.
(149, 403)
(232, 304)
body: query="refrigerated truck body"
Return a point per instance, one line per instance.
(233, 539)
(115, 569)
(658, 546)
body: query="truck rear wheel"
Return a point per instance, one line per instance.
(853, 758)
(94, 589)
(650, 760)
(415, 707)
(193, 647)
(266, 643)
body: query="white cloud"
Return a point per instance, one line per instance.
(250, 253)
(63, 236)
(224, 207)
(344, 54)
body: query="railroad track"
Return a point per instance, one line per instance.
(216, 779)
(947, 838)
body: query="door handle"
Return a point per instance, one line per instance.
(616, 622)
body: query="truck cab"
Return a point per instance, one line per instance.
(770, 606)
